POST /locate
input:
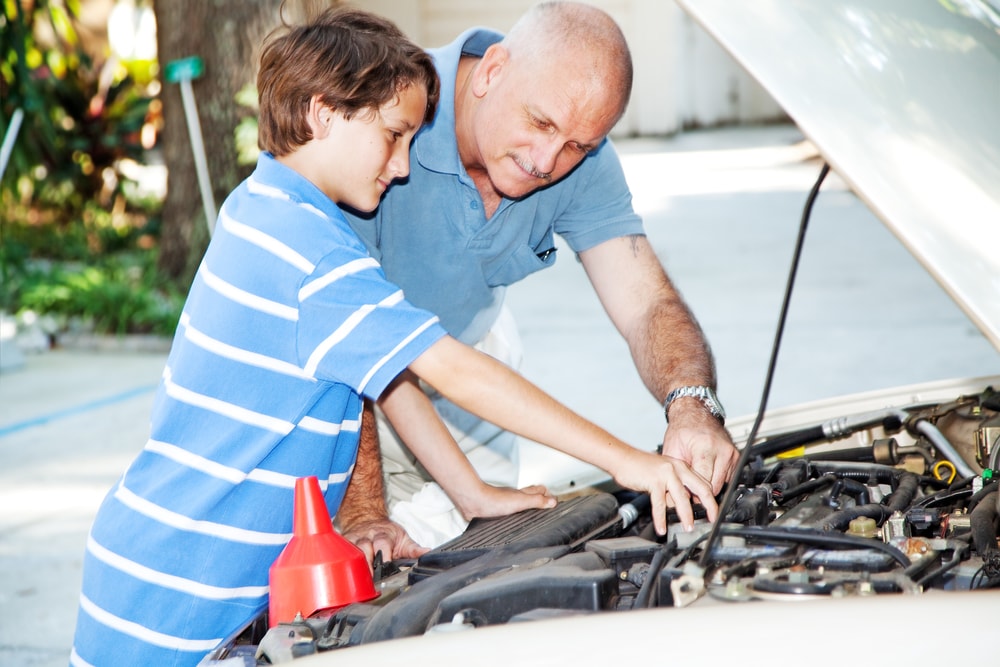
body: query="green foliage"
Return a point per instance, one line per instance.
(120, 294)
(247, 150)
(80, 119)
(77, 237)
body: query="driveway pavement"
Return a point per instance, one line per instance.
(722, 209)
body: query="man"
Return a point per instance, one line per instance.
(519, 151)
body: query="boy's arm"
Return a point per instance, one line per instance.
(418, 425)
(487, 388)
(362, 516)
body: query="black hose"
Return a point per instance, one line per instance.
(878, 472)
(898, 500)
(981, 495)
(645, 593)
(806, 487)
(983, 520)
(786, 441)
(816, 538)
(853, 487)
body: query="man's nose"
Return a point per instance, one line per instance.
(545, 155)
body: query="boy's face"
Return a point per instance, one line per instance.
(372, 149)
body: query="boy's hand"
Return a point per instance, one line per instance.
(668, 481)
(492, 501)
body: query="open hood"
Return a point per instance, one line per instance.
(901, 98)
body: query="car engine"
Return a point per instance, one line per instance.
(897, 501)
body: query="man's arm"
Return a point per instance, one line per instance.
(667, 346)
(362, 516)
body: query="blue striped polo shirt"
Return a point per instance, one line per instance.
(288, 323)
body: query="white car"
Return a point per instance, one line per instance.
(863, 528)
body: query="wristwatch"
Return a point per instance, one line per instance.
(704, 394)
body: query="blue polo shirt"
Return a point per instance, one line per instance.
(289, 322)
(433, 239)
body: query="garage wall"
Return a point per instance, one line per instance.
(682, 78)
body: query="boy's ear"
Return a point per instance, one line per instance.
(319, 116)
(489, 66)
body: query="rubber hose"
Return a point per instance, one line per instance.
(983, 521)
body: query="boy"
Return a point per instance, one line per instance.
(288, 325)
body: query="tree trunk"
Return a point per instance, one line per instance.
(226, 34)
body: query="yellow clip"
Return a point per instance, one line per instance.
(944, 464)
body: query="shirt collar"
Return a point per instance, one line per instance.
(299, 188)
(435, 146)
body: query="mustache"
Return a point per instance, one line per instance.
(529, 167)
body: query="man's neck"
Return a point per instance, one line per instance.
(468, 154)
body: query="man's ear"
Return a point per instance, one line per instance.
(488, 68)
(319, 116)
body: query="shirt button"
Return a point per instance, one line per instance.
(474, 205)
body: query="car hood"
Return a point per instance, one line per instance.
(900, 97)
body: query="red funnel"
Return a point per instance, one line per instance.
(318, 569)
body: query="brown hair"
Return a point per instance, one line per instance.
(353, 60)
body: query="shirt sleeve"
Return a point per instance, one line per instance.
(599, 206)
(356, 327)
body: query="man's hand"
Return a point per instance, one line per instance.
(386, 536)
(706, 447)
(363, 517)
(699, 439)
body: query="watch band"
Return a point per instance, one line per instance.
(703, 393)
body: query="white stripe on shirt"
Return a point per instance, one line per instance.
(344, 330)
(354, 266)
(348, 326)
(143, 633)
(234, 475)
(218, 406)
(175, 520)
(267, 243)
(173, 582)
(384, 360)
(328, 428)
(216, 346)
(247, 299)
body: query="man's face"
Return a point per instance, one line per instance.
(534, 124)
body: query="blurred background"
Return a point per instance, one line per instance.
(105, 198)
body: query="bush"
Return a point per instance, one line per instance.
(77, 238)
(121, 294)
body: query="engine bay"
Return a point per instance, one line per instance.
(892, 502)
